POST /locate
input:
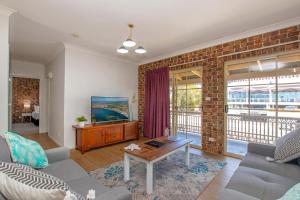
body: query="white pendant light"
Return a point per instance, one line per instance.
(129, 42)
(140, 50)
(122, 50)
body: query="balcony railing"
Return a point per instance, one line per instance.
(258, 129)
(189, 121)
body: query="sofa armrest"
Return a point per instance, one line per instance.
(262, 149)
(57, 154)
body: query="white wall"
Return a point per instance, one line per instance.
(4, 66)
(27, 69)
(56, 98)
(89, 74)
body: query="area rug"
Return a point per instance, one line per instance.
(172, 179)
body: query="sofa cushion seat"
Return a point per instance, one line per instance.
(283, 169)
(260, 184)
(229, 194)
(83, 185)
(66, 170)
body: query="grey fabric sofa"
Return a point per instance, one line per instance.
(69, 171)
(257, 178)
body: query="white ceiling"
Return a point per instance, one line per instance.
(162, 26)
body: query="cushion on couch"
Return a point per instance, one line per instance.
(283, 169)
(288, 147)
(4, 151)
(66, 170)
(25, 151)
(256, 178)
(259, 184)
(229, 194)
(21, 182)
(102, 192)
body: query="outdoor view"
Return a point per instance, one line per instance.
(264, 103)
(186, 105)
(189, 96)
(257, 113)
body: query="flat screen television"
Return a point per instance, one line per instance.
(106, 109)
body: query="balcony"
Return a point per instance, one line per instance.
(241, 129)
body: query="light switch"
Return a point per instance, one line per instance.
(207, 98)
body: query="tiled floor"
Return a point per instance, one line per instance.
(233, 146)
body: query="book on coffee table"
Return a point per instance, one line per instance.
(155, 143)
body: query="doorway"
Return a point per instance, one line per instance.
(186, 104)
(25, 105)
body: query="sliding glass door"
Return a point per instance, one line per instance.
(186, 104)
(263, 101)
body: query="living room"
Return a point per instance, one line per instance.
(201, 103)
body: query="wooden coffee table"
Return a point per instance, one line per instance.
(149, 155)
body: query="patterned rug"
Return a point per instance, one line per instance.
(172, 179)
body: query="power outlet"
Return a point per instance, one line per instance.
(211, 139)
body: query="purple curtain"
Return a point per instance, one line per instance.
(157, 103)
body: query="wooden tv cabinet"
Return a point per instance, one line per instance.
(99, 135)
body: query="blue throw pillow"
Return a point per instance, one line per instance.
(292, 194)
(25, 151)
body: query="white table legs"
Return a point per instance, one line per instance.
(126, 167)
(187, 155)
(149, 179)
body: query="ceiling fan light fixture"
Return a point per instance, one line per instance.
(122, 50)
(140, 50)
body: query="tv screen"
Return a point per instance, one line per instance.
(106, 109)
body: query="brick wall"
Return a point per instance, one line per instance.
(212, 60)
(23, 89)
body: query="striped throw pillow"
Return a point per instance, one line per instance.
(21, 182)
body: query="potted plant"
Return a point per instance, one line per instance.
(81, 121)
